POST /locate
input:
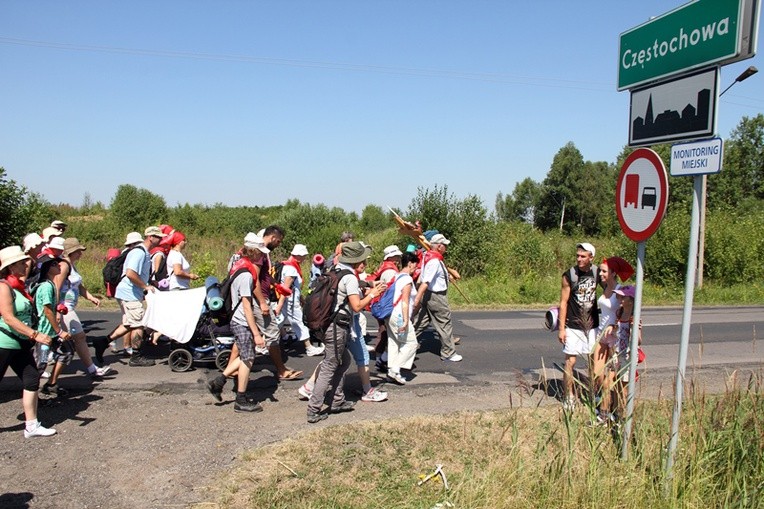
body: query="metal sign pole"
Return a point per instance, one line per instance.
(689, 294)
(633, 346)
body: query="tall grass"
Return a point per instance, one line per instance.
(516, 458)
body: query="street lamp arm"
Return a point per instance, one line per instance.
(743, 76)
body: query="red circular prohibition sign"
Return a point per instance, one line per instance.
(660, 169)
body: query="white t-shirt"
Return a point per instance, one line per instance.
(287, 271)
(434, 274)
(175, 257)
(608, 307)
(400, 283)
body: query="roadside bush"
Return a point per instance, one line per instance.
(21, 211)
(734, 248)
(133, 209)
(464, 222)
(318, 227)
(666, 251)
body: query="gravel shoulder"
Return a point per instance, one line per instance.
(125, 442)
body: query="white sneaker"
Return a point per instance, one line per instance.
(374, 396)
(569, 404)
(45, 375)
(304, 392)
(455, 357)
(262, 350)
(396, 378)
(102, 371)
(39, 431)
(313, 351)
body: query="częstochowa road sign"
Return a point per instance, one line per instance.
(694, 35)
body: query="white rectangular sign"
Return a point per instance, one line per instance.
(680, 109)
(696, 158)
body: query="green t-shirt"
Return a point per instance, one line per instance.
(22, 309)
(45, 295)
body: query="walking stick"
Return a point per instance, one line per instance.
(411, 230)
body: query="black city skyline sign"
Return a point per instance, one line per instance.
(671, 122)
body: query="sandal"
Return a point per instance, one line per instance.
(291, 374)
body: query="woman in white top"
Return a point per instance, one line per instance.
(177, 266)
(70, 289)
(610, 270)
(289, 307)
(402, 343)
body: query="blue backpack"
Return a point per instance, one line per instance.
(382, 308)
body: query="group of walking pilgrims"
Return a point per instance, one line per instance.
(40, 331)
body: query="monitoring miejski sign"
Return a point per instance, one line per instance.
(694, 35)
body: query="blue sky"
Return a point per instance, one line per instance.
(341, 103)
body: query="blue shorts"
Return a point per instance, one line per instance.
(357, 345)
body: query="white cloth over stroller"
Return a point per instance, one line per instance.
(174, 314)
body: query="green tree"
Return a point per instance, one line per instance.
(318, 227)
(521, 204)
(21, 212)
(134, 209)
(576, 195)
(464, 222)
(374, 219)
(741, 181)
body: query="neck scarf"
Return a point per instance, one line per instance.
(18, 284)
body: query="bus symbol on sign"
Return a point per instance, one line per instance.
(641, 194)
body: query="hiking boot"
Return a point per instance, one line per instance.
(215, 386)
(316, 417)
(374, 396)
(345, 406)
(54, 390)
(38, 430)
(139, 360)
(246, 403)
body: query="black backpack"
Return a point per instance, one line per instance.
(318, 312)
(223, 315)
(161, 272)
(112, 271)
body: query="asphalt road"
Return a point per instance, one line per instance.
(502, 345)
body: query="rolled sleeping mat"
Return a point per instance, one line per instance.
(550, 318)
(213, 299)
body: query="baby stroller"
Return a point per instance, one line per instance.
(209, 343)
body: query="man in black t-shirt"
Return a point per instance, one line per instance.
(579, 316)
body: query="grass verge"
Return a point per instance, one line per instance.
(516, 458)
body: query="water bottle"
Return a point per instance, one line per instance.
(399, 324)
